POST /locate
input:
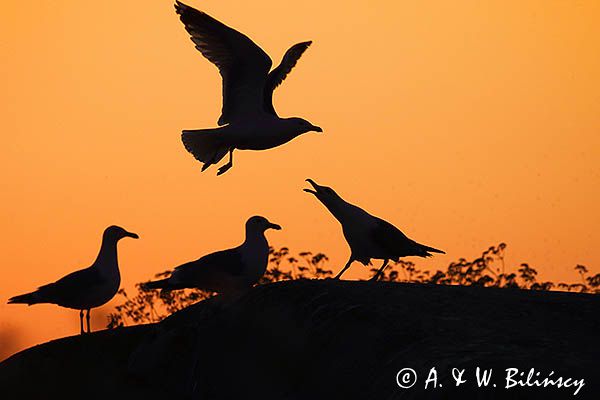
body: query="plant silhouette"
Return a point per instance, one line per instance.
(488, 270)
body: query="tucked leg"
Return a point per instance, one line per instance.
(81, 321)
(87, 318)
(338, 276)
(376, 276)
(229, 164)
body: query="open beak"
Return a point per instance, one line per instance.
(316, 128)
(132, 235)
(314, 185)
(274, 226)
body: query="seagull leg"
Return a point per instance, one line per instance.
(338, 276)
(87, 318)
(229, 164)
(376, 276)
(81, 321)
(205, 166)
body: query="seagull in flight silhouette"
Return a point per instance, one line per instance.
(87, 288)
(225, 271)
(368, 236)
(248, 119)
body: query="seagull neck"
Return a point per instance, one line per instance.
(342, 210)
(108, 253)
(255, 237)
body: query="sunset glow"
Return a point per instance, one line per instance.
(465, 124)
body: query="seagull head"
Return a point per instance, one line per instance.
(117, 233)
(325, 194)
(300, 126)
(260, 224)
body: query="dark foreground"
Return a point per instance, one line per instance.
(329, 340)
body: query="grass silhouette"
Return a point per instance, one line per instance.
(488, 270)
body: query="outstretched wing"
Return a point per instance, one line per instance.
(243, 65)
(277, 76)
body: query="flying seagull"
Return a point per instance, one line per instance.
(225, 271)
(248, 120)
(87, 288)
(368, 236)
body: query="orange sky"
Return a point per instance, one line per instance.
(463, 123)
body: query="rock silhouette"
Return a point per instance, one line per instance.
(326, 339)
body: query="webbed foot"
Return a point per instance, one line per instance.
(224, 168)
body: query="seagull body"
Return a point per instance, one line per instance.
(248, 119)
(87, 288)
(225, 271)
(367, 235)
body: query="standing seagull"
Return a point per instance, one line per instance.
(368, 236)
(87, 288)
(248, 120)
(225, 271)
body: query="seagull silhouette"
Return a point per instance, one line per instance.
(368, 236)
(249, 118)
(87, 288)
(226, 271)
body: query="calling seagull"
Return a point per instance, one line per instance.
(367, 235)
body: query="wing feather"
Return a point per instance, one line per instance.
(210, 266)
(70, 288)
(277, 76)
(396, 243)
(243, 64)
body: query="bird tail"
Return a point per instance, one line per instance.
(206, 145)
(28, 298)
(160, 284)
(427, 249)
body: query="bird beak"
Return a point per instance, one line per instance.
(314, 185)
(274, 226)
(316, 128)
(132, 235)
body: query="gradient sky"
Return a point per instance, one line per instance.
(464, 123)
